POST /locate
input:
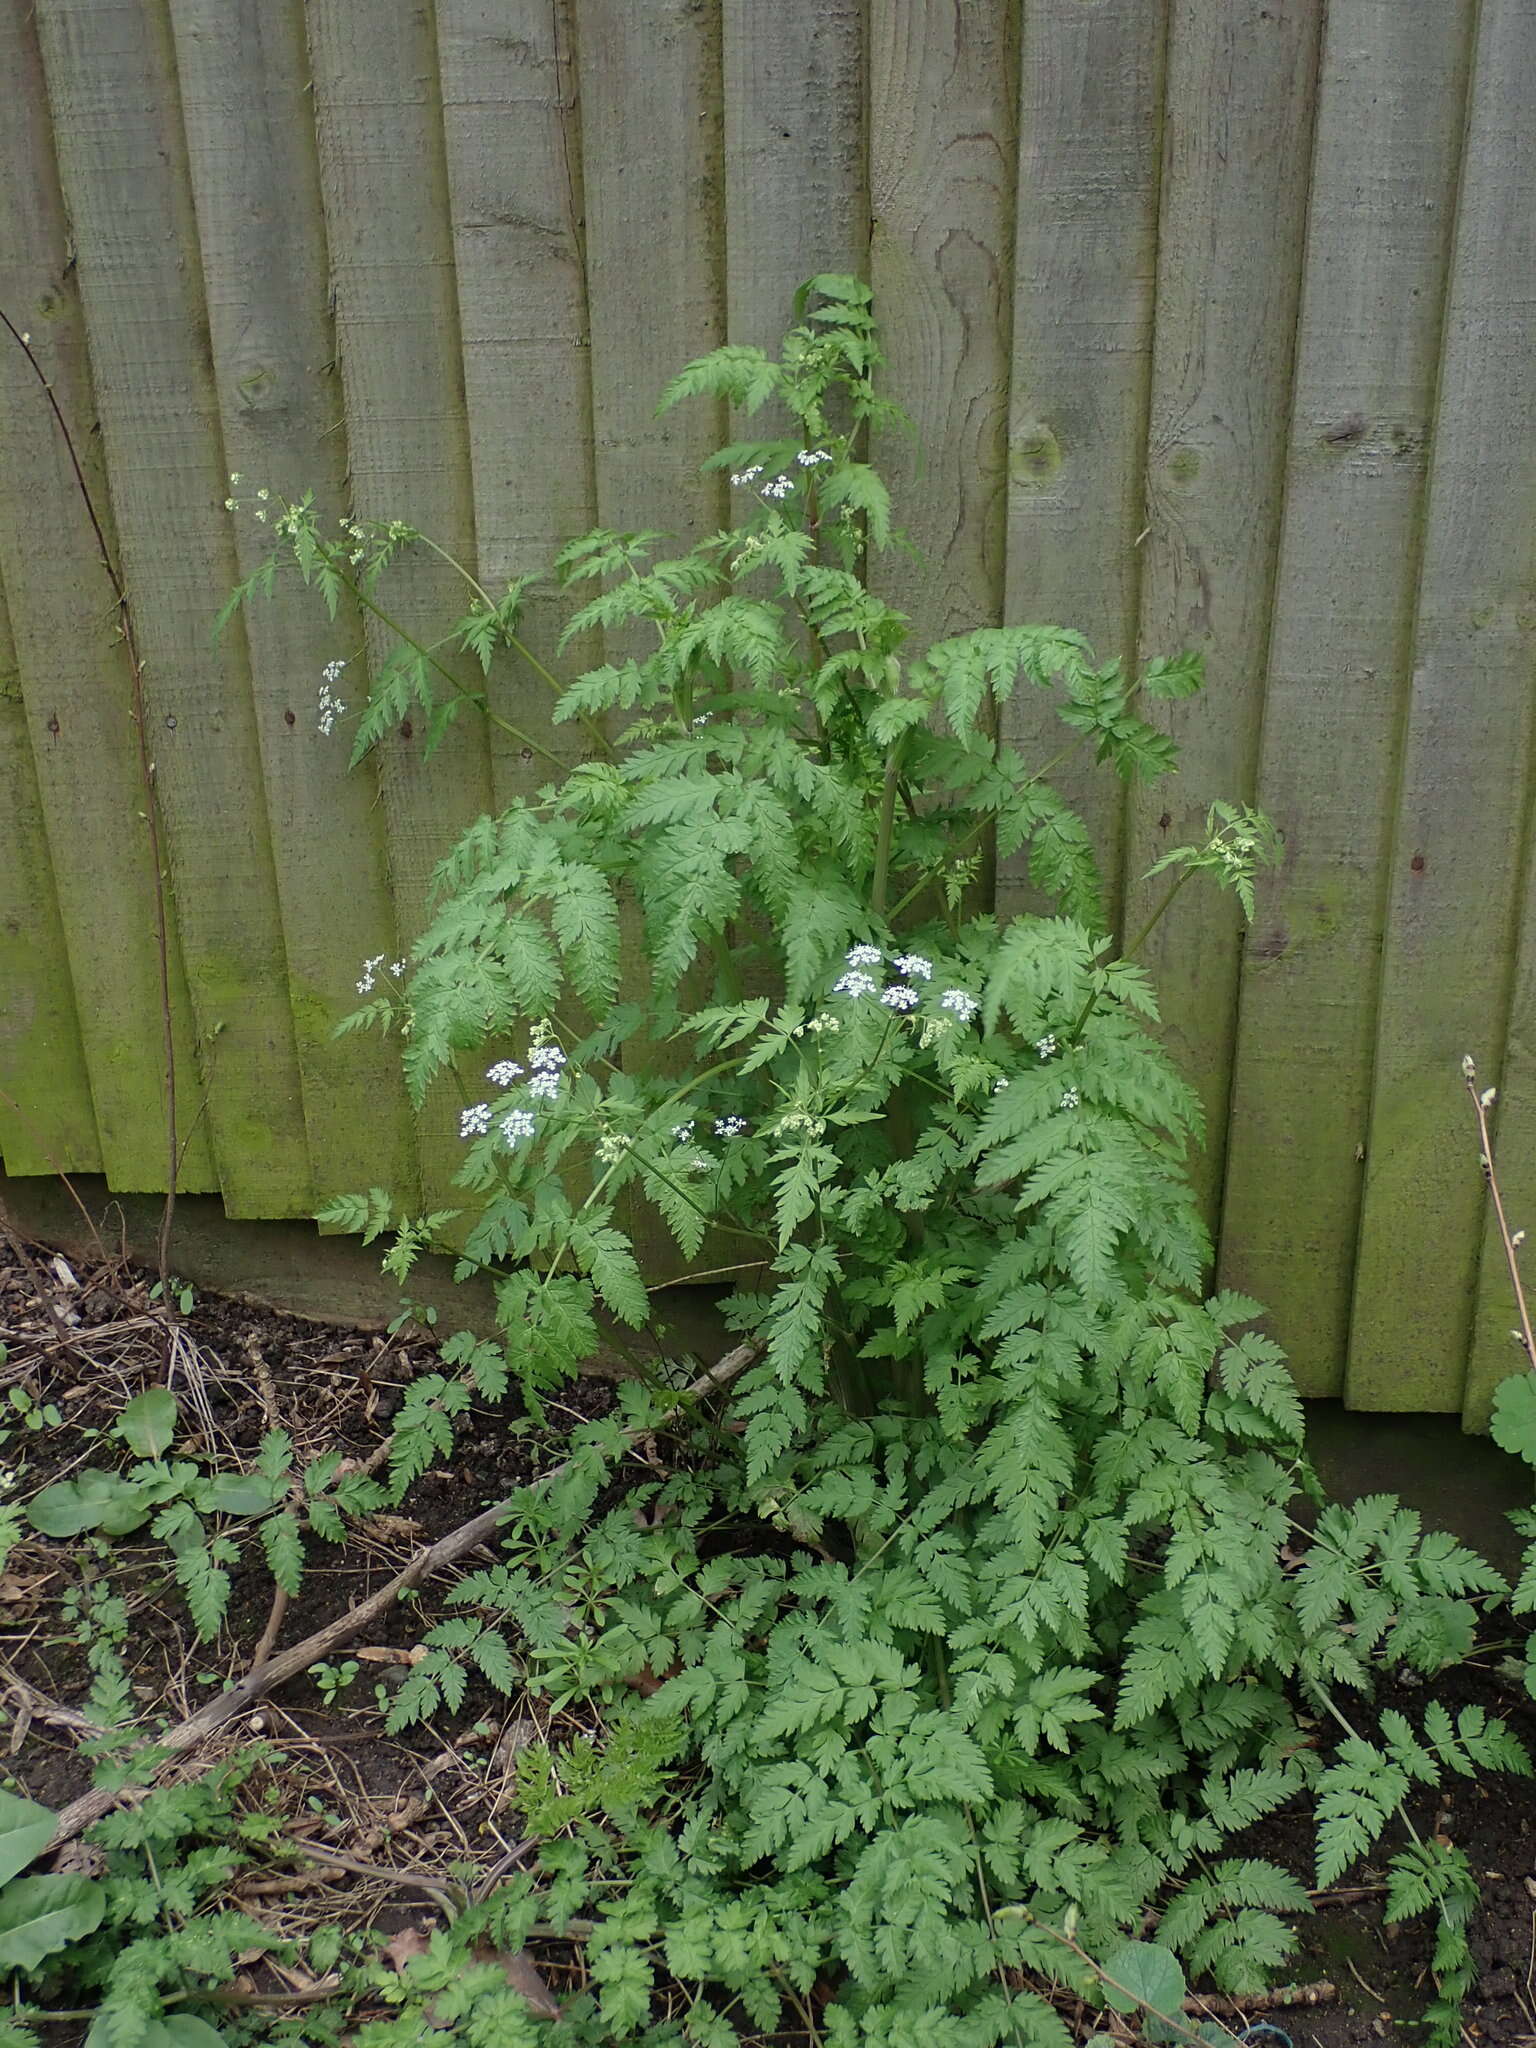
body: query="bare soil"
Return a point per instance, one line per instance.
(410, 1807)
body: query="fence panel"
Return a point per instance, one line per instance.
(1217, 329)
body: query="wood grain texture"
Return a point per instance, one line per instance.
(1085, 274)
(1378, 244)
(796, 196)
(1237, 137)
(244, 76)
(47, 1122)
(512, 130)
(74, 680)
(112, 86)
(1463, 795)
(384, 185)
(943, 93)
(651, 143)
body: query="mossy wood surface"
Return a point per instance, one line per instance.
(1216, 327)
(40, 1055)
(71, 671)
(117, 122)
(1084, 285)
(1460, 828)
(1367, 354)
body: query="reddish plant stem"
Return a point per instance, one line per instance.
(1480, 1111)
(125, 624)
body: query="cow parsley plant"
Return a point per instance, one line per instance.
(957, 1644)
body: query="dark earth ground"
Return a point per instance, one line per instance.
(410, 1806)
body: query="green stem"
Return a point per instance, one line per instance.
(889, 789)
(519, 646)
(1127, 952)
(475, 697)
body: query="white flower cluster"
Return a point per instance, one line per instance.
(809, 457)
(779, 487)
(855, 984)
(543, 1085)
(901, 996)
(546, 1062)
(1071, 1099)
(371, 968)
(1046, 1046)
(730, 1126)
(330, 705)
(743, 478)
(682, 1134)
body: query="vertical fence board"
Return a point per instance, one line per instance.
(796, 196)
(73, 677)
(1378, 241)
(651, 138)
(46, 1118)
(514, 182)
(943, 94)
(111, 82)
(651, 155)
(244, 76)
(384, 183)
(1450, 938)
(1234, 185)
(1085, 273)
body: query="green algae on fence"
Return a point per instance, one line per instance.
(385, 191)
(244, 76)
(1464, 798)
(111, 83)
(1373, 293)
(1229, 256)
(41, 1059)
(513, 154)
(73, 674)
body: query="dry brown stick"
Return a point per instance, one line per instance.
(187, 1734)
(1320, 1993)
(273, 1629)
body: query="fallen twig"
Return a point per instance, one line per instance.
(273, 1629)
(1320, 1993)
(277, 1670)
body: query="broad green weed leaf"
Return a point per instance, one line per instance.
(41, 1915)
(25, 1832)
(148, 1423)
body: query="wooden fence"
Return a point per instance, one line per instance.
(1218, 321)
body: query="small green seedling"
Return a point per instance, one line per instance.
(331, 1679)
